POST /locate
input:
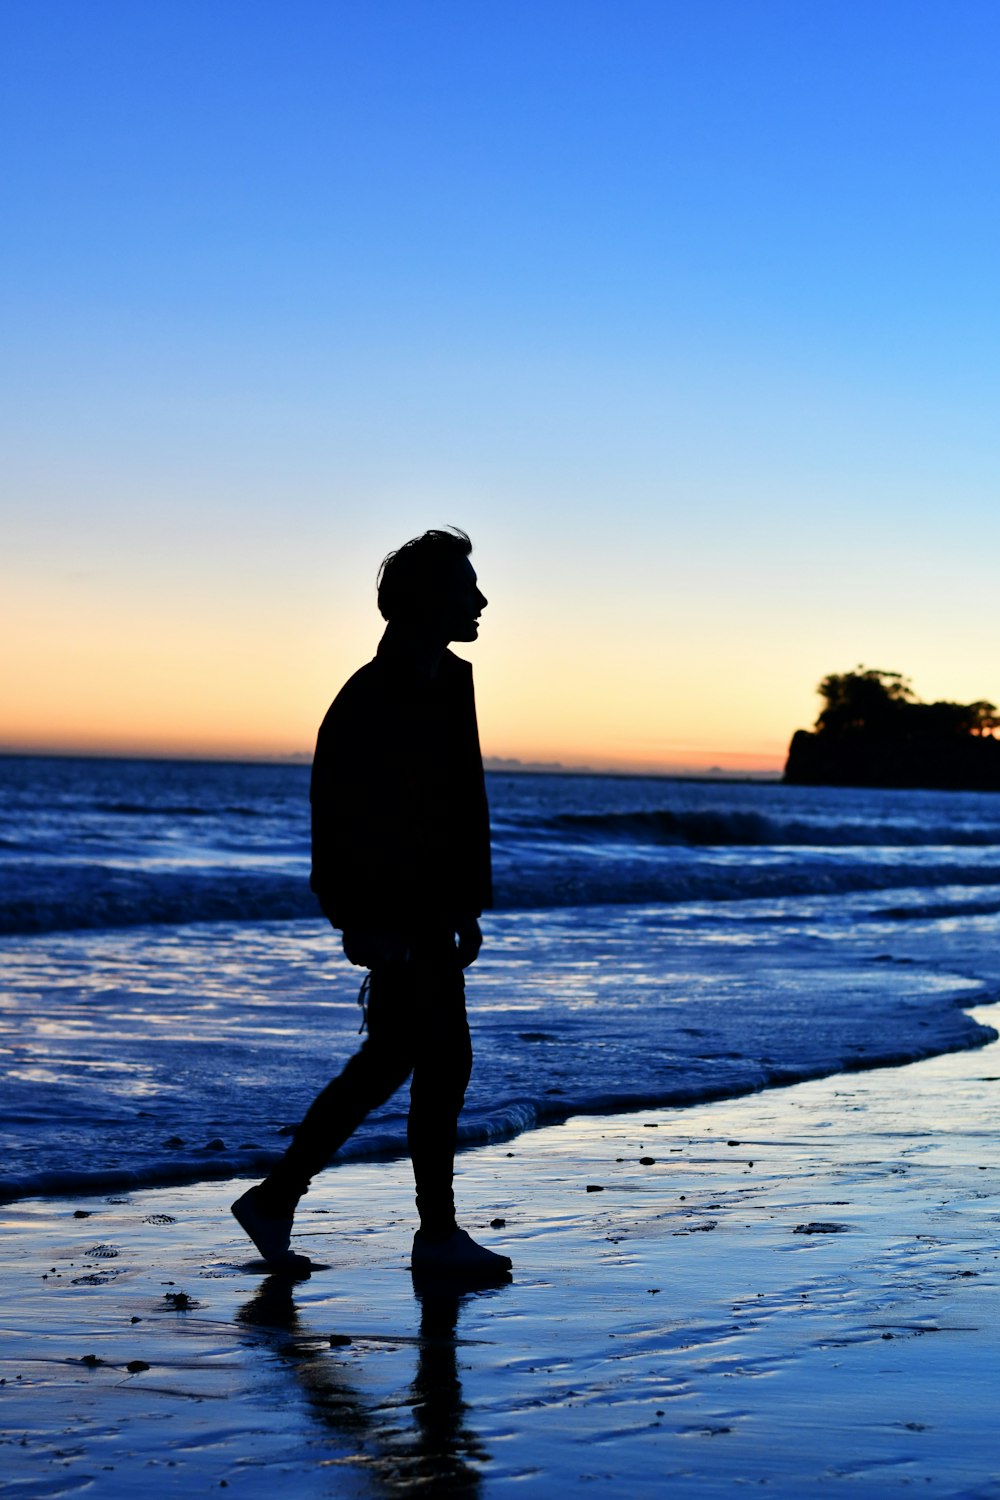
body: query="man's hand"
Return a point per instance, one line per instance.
(470, 940)
(369, 946)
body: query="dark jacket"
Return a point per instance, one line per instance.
(400, 823)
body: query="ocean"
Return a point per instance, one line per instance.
(171, 998)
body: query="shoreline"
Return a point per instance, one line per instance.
(735, 1292)
(70, 1185)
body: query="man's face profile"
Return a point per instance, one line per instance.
(460, 603)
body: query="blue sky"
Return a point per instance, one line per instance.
(687, 312)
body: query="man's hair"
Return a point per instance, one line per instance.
(411, 577)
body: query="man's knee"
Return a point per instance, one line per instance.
(370, 1077)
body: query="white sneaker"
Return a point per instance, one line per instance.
(271, 1233)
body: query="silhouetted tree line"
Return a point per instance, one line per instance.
(874, 731)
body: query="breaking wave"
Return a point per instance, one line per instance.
(757, 829)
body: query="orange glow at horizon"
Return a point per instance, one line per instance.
(152, 746)
(123, 671)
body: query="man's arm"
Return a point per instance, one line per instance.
(356, 822)
(348, 798)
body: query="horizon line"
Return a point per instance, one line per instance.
(496, 764)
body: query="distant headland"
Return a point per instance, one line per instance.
(874, 731)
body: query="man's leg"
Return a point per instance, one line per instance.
(442, 1065)
(372, 1076)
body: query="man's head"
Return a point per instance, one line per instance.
(429, 585)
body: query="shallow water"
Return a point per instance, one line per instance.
(170, 1000)
(176, 1053)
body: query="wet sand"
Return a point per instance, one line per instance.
(794, 1292)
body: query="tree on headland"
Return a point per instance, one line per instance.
(984, 719)
(873, 730)
(864, 697)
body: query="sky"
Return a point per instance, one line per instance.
(688, 313)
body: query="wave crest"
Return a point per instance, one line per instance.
(758, 830)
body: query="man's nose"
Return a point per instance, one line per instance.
(483, 601)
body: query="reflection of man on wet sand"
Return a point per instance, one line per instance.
(438, 1452)
(401, 864)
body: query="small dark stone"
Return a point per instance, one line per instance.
(594, 1187)
(91, 1361)
(134, 1366)
(82, 1213)
(498, 1223)
(732, 1143)
(216, 1144)
(338, 1340)
(647, 1161)
(174, 1141)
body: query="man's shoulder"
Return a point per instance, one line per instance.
(378, 687)
(362, 691)
(366, 679)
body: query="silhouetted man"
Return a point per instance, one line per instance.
(401, 864)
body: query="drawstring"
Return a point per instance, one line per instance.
(363, 1002)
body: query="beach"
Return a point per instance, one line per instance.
(792, 1292)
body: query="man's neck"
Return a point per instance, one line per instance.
(419, 650)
